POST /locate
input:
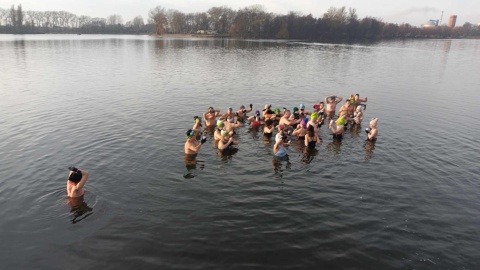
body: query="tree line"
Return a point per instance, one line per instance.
(337, 24)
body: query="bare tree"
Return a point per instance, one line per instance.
(13, 17)
(3, 15)
(20, 15)
(159, 18)
(114, 19)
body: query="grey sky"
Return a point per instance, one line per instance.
(414, 12)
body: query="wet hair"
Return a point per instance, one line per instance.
(76, 176)
(310, 131)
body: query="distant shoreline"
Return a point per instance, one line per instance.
(188, 36)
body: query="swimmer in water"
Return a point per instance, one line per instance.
(255, 120)
(197, 125)
(314, 122)
(268, 113)
(311, 139)
(76, 181)
(303, 113)
(358, 115)
(286, 121)
(242, 113)
(347, 111)
(229, 116)
(217, 135)
(372, 132)
(358, 101)
(268, 130)
(331, 102)
(226, 143)
(339, 129)
(279, 149)
(301, 129)
(210, 117)
(191, 145)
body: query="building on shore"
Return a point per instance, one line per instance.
(430, 23)
(452, 21)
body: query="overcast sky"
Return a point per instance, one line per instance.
(414, 12)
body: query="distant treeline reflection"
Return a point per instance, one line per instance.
(337, 24)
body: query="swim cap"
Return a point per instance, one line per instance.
(224, 133)
(314, 116)
(340, 121)
(295, 109)
(278, 137)
(276, 110)
(230, 108)
(351, 101)
(359, 108)
(195, 119)
(220, 124)
(304, 122)
(316, 107)
(257, 112)
(190, 133)
(302, 106)
(374, 122)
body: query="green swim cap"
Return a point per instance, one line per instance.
(314, 115)
(341, 121)
(295, 109)
(276, 110)
(220, 124)
(224, 133)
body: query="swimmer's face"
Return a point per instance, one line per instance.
(287, 114)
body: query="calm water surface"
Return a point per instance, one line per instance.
(119, 106)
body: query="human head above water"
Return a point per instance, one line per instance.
(190, 134)
(220, 124)
(225, 133)
(373, 123)
(75, 175)
(340, 122)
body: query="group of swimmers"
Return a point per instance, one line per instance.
(300, 123)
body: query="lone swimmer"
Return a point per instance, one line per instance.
(76, 181)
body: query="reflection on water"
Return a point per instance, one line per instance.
(369, 147)
(79, 209)
(309, 155)
(278, 165)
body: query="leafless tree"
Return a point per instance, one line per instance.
(114, 19)
(159, 18)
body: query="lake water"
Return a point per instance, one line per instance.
(119, 106)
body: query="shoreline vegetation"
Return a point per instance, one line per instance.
(252, 22)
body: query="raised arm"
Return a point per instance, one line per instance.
(83, 181)
(339, 99)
